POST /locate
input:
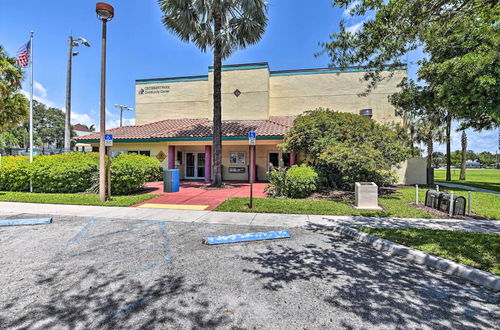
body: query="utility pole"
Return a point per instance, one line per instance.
(72, 42)
(105, 13)
(123, 107)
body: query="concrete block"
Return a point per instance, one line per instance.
(366, 196)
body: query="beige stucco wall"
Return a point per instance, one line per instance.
(294, 94)
(413, 171)
(264, 94)
(253, 102)
(174, 100)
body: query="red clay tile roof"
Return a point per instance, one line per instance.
(81, 128)
(173, 128)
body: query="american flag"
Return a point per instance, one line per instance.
(23, 55)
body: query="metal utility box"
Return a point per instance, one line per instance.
(171, 180)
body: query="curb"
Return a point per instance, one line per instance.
(473, 275)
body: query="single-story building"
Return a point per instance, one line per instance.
(173, 115)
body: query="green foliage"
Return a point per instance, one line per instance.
(459, 39)
(130, 172)
(486, 158)
(13, 105)
(64, 173)
(76, 172)
(296, 182)
(346, 148)
(15, 173)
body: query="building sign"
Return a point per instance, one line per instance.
(237, 170)
(108, 140)
(161, 156)
(158, 89)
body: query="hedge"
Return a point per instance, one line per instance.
(76, 172)
(296, 182)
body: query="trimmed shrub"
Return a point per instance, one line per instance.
(301, 181)
(64, 173)
(296, 182)
(130, 172)
(15, 173)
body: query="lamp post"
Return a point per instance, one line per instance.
(105, 13)
(67, 119)
(123, 107)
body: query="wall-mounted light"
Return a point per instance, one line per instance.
(367, 113)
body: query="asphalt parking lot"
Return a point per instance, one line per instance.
(82, 272)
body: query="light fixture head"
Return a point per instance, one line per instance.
(84, 41)
(116, 105)
(105, 12)
(75, 53)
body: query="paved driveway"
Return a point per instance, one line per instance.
(84, 273)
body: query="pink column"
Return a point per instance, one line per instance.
(171, 157)
(208, 164)
(292, 159)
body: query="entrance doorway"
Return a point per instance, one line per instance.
(195, 165)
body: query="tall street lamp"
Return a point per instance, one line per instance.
(123, 107)
(72, 42)
(105, 13)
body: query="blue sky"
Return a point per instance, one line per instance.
(140, 47)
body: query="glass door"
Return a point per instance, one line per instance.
(195, 165)
(190, 165)
(201, 165)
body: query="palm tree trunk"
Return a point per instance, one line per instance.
(464, 156)
(448, 146)
(217, 123)
(430, 150)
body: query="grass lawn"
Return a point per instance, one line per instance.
(74, 199)
(480, 178)
(479, 250)
(395, 206)
(485, 204)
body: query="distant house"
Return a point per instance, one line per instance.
(81, 130)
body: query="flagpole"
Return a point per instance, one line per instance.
(31, 104)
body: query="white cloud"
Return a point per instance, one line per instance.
(486, 140)
(79, 118)
(355, 28)
(38, 87)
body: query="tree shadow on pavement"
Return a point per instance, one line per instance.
(88, 298)
(381, 290)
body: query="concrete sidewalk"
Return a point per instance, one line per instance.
(238, 218)
(462, 186)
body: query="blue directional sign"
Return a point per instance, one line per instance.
(108, 140)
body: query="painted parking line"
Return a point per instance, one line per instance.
(174, 206)
(24, 222)
(225, 239)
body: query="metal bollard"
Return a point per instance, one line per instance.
(437, 187)
(416, 194)
(469, 202)
(450, 213)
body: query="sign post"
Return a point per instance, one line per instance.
(252, 136)
(108, 142)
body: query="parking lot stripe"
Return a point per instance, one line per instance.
(24, 222)
(225, 239)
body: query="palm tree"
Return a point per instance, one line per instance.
(223, 26)
(464, 156)
(428, 131)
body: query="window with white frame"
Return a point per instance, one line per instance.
(237, 158)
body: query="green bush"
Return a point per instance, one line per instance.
(76, 172)
(296, 182)
(15, 173)
(346, 148)
(130, 172)
(64, 173)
